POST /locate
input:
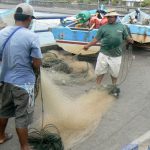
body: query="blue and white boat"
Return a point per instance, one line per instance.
(73, 39)
(138, 23)
(40, 25)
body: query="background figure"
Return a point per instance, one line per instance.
(20, 53)
(137, 16)
(98, 20)
(111, 37)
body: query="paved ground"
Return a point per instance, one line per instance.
(127, 119)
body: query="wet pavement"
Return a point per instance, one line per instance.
(128, 118)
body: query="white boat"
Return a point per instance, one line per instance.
(138, 23)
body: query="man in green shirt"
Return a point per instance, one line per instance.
(111, 37)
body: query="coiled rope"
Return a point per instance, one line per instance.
(48, 137)
(127, 59)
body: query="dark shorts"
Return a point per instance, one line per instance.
(14, 103)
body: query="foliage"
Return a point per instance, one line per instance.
(145, 3)
(86, 1)
(116, 1)
(100, 1)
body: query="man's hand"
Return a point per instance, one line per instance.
(130, 40)
(36, 63)
(86, 47)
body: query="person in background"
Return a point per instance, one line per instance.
(111, 37)
(20, 54)
(98, 20)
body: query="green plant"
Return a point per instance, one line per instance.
(115, 1)
(145, 3)
(87, 1)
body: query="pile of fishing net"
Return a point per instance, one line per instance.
(48, 138)
(65, 68)
(75, 118)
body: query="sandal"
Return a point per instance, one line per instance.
(8, 136)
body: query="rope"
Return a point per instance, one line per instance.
(126, 62)
(42, 100)
(45, 139)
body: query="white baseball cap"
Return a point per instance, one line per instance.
(24, 9)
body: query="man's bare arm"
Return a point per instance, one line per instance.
(86, 47)
(36, 62)
(130, 40)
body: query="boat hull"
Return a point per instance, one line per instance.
(77, 47)
(141, 38)
(138, 24)
(140, 33)
(73, 40)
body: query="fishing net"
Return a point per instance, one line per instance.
(127, 59)
(66, 69)
(75, 118)
(52, 61)
(44, 138)
(47, 138)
